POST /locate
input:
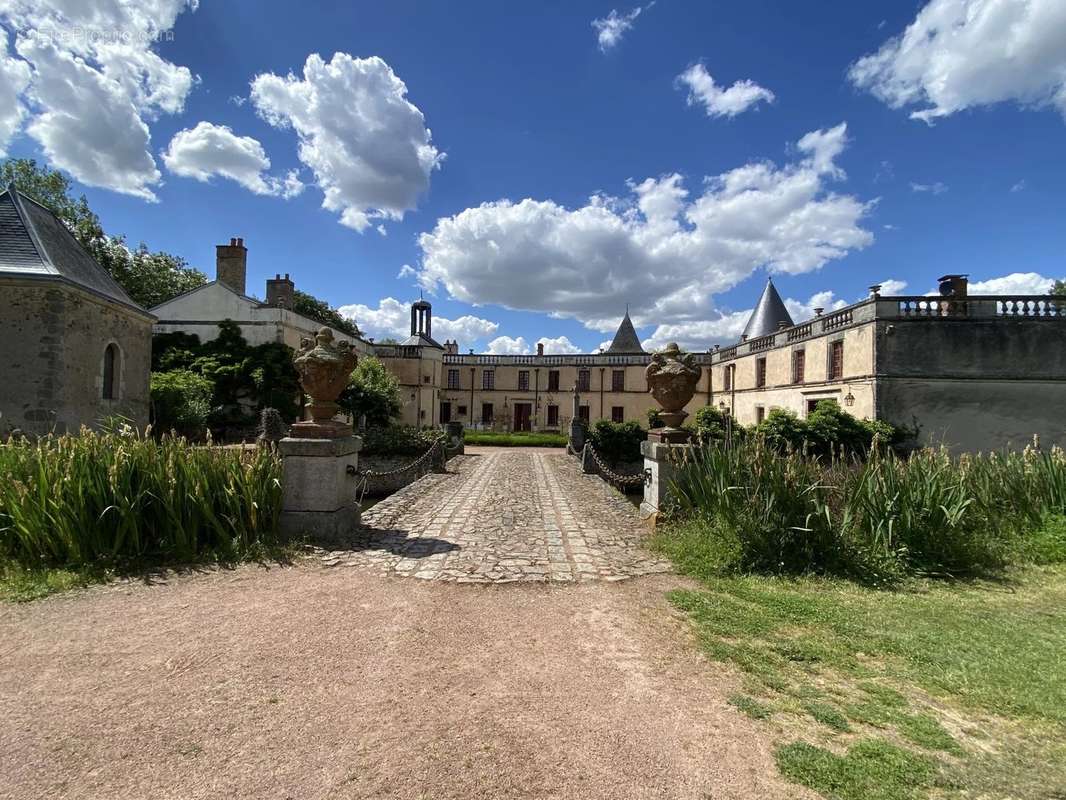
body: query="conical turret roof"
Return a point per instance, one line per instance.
(626, 339)
(768, 315)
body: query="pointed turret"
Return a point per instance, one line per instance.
(768, 315)
(626, 339)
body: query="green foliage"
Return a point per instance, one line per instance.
(181, 401)
(244, 379)
(828, 430)
(373, 392)
(1058, 288)
(618, 442)
(712, 425)
(313, 308)
(876, 519)
(782, 431)
(517, 439)
(398, 440)
(872, 769)
(148, 278)
(750, 706)
(654, 419)
(105, 498)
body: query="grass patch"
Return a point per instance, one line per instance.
(494, 439)
(872, 769)
(750, 706)
(962, 677)
(21, 585)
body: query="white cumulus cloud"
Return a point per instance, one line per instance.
(392, 319)
(95, 82)
(366, 143)
(208, 150)
(560, 345)
(14, 78)
(1014, 283)
(609, 29)
(664, 251)
(960, 54)
(720, 101)
(509, 346)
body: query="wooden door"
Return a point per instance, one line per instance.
(522, 416)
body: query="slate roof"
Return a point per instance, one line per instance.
(626, 339)
(769, 312)
(35, 243)
(421, 340)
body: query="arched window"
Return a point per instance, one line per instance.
(110, 388)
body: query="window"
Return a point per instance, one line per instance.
(799, 364)
(583, 413)
(836, 360)
(453, 379)
(425, 379)
(553, 416)
(523, 380)
(460, 411)
(553, 380)
(727, 378)
(760, 372)
(583, 380)
(617, 414)
(488, 379)
(486, 413)
(618, 380)
(760, 414)
(110, 385)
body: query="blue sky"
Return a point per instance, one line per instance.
(465, 141)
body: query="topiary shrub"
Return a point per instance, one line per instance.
(181, 402)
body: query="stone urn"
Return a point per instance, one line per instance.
(324, 367)
(672, 378)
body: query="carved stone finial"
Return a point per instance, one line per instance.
(672, 378)
(324, 368)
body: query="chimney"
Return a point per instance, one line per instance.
(540, 348)
(954, 286)
(280, 292)
(231, 264)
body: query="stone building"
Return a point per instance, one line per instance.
(261, 321)
(974, 372)
(75, 348)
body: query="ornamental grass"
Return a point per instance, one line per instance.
(116, 497)
(881, 517)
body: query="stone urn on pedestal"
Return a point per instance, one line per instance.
(672, 379)
(320, 456)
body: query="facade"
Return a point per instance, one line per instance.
(74, 348)
(972, 372)
(199, 311)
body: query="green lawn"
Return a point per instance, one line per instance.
(514, 439)
(935, 689)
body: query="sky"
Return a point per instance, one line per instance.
(534, 169)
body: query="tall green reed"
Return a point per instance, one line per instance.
(108, 497)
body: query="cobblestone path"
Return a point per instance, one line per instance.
(501, 516)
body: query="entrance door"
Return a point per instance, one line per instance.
(523, 413)
(445, 412)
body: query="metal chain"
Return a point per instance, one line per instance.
(371, 474)
(611, 475)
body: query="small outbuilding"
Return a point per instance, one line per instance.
(74, 348)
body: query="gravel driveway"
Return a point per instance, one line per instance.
(311, 682)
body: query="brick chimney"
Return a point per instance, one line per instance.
(280, 291)
(954, 286)
(540, 348)
(231, 264)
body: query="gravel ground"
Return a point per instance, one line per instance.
(306, 682)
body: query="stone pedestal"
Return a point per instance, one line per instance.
(660, 463)
(318, 488)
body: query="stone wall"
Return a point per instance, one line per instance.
(52, 343)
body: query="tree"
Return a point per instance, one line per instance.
(313, 308)
(373, 392)
(148, 278)
(1058, 288)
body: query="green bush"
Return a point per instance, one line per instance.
(181, 401)
(106, 498)
(491, 438)
(618, 442)
(879, 518)
(372, 392)
(827, 431)
(398, 440)
(712, 425)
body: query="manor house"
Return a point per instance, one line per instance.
(972, 371)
